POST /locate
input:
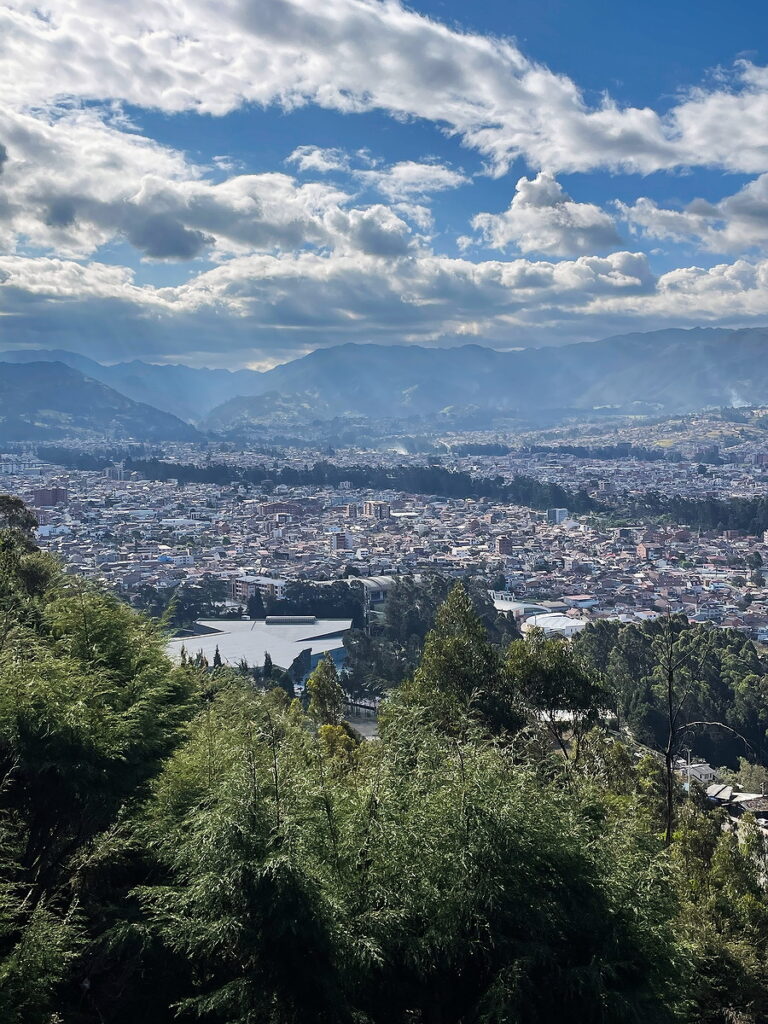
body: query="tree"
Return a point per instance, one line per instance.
(255, 606)
(14, 515)
(460, 676)
(554, 684)
(90, 707)
(326, 697)
(267, 670)
(217, 662)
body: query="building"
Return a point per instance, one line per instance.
(341, 541)
(20, 465)
(504, 545)
(580, 600)
(47, 497)
(376, 509)
(556, 515)
(697, 771)
(293, 642)
(554, 624)
(275, 508)
(243, 587)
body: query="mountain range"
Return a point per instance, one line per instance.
(670, 371)
(45, 401)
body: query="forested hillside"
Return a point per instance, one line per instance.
(181, 844)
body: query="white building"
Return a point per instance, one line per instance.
(283, 637)
(554, 624)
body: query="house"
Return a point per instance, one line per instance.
(697, 771)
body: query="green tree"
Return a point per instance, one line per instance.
(326, 697)
(555, 685)
(255, 606)
(460, 676)
(90, 708)
(14, 515)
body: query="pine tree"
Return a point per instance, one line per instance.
(460, 675)
(326, 697)
(217, 662)
(255, 606)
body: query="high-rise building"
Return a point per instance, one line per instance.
(244, 586)
(46, 497)
(339, 540)
(556, 515)
(504, 545)
(376, 509)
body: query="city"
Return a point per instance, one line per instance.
(133, 534)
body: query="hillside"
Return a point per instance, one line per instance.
(47, 400)
(661, 372)
(185, 391)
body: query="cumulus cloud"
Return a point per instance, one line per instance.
(734, 224)
(298, 260)
(359, 55)
(75, 182)
(270, 307)
(543, 218)
(410, 179)
(405, 180)
(265, 302)
(315, 158)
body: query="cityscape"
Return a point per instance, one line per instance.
(136, 535)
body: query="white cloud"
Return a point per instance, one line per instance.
(305, 262)
(263, 306)
(315, 158)
(734, 224)
(357, 55)
(74, 183)
(410, 179)
(543, 218)
(404, 180)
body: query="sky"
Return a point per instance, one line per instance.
(238, 182)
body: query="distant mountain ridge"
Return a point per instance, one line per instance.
(47, 400)
(673, 371)
(184, 391)
(670, 371)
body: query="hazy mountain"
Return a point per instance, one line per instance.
(185, 391)
(271, 408)
(664, 371)
(48, 400)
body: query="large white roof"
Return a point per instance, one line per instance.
(554, 623)
(247, 640)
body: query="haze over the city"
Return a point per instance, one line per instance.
(236, 184)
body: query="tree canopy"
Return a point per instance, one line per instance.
(190, 843)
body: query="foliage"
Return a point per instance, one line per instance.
(326, 697)
(720, 678)
(180, 844)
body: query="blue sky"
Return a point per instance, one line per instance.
(237, 183)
